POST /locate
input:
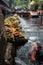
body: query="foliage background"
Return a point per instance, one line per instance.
(25, 3)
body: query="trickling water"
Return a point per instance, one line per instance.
(19, 61)
(23, 22)
(22, 53)
(28, 28)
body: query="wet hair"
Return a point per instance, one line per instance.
(39, 45)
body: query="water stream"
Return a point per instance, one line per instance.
(30, 31)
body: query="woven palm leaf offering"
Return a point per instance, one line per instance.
(14, 29)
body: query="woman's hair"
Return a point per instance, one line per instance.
(39, 46)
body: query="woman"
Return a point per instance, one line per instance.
(36, 53)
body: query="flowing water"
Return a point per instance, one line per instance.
(32, 30)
